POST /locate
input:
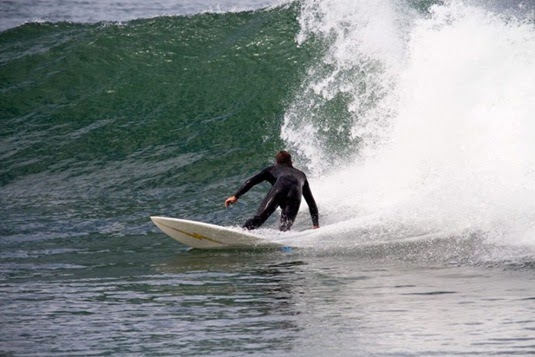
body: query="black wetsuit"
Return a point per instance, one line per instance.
(288, 186)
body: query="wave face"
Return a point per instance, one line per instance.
(412, 118)
(108, 123)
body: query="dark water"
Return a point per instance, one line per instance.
(145, 295)
(426, 246)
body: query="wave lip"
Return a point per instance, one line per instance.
(15, 13)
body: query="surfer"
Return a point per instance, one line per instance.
(288, 186)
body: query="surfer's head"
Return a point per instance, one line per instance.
(284, 157)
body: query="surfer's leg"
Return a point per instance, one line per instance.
(289, 210)
(266, 209)
(253, 223)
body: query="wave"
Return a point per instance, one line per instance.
(412, 119)
(99, 114)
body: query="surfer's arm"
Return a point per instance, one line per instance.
(255, 180)
(312, 207)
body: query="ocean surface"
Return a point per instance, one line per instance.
(413, 120)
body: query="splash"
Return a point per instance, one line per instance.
(339, 109)
(434, 126)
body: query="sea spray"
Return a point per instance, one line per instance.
(437, 113)
(339, 111)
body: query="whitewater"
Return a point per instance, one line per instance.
(439, 132)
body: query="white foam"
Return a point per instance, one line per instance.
(448, 143)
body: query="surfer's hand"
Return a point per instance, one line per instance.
(231, 200)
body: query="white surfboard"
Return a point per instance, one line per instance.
(210, 236)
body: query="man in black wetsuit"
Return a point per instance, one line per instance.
(288, 186)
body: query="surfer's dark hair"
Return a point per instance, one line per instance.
(283, 157)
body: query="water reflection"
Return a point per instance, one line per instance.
(237, 302)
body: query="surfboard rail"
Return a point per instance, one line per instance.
(210, 236)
